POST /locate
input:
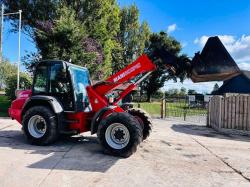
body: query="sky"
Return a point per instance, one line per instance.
(190, 22)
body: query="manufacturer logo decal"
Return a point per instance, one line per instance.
(125, 73)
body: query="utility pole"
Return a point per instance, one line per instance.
(1, 48)
(19, 49)
(19, 40)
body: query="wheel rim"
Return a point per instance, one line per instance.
(37, 126)
(117, 136)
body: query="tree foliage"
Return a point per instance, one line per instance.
(174, 92)
(46, 22)
(131, 37)
(6, 69)
(191, 92)
(65, 38)
(101, 20)
(216, 87)
(97, 34)
(183, 91)
(11, 83)
(160, 41)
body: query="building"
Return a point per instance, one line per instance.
(237, 84)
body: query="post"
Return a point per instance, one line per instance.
(19, 50)
(162, 110)
(163, 106)
(1, 47)
(208, 114)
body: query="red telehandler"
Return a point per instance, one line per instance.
(63, 101)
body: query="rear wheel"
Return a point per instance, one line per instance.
(120, 134)
(40, 125)
(144, 119)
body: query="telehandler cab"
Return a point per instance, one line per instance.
(63, 101)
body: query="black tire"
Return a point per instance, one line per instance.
(144, 119)
(133, 127)
(51, 132)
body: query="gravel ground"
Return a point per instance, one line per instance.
(176, 154)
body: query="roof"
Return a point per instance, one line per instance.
(246, 74)
(61, 61)
(237, 84)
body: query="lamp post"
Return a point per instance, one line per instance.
(19, 40)
(1, 48)
(19, 49)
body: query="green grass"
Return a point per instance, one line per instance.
(153, 108)
(181, 108)
(174, 109)
(4, 105)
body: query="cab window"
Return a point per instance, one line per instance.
(59, 81)
(60, 85)
(80, 78)
(41, 80)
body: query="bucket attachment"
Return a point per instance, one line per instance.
(214, 63)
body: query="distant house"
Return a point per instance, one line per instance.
(237, 84)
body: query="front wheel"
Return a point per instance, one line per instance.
(40, 125)
(120, 134)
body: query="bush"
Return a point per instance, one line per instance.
(11, 84)
(6, 69)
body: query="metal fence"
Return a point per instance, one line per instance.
(178, 108)
(182, 108)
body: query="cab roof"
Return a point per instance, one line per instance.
(59, 61)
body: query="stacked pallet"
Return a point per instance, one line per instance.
(231, 111)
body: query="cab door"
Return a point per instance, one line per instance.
(60, 85)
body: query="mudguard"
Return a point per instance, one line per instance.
(98, 117)
(52, 101)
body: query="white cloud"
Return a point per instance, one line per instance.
(184, 44)
(204, 87)
(244, 66)
(171, 28)
(239, 48)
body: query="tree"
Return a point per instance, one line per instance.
(191, 92)
(158, 95)
(32, 11)
(172, 92)
(159, 41)
(183, 91)
(216, 87)
(99, 18)
(65, 38)
(131, 38)
(144, 35)
(25, 83)
(128, 33)
(6, 69)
